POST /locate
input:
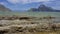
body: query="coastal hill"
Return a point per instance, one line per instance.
(3, 8)
(43, 8)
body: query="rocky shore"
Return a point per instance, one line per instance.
(27, 25)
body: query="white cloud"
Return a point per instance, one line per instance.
(26, 1)
(2, 3)
(13, 1)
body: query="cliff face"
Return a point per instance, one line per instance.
(3, 8)
(43, 8)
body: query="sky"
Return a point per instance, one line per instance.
(27, 4)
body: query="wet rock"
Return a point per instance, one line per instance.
(4, 30)
(24, 18)
(16, 29)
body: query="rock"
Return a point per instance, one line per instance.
(16, 29)
(4, 30)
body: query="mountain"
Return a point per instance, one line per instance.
(43, 8)
(3, 8)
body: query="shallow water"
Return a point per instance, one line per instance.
(36, 14)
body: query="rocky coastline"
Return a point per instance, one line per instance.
(24, 25)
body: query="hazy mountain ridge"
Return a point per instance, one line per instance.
(43, 8)
(3, 8)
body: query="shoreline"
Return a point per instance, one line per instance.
(17, 24)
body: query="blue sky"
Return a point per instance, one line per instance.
(27, 4)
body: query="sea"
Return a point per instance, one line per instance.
(35, 14)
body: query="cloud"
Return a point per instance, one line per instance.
(2, 3)
(13, 1)
(26, 1)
